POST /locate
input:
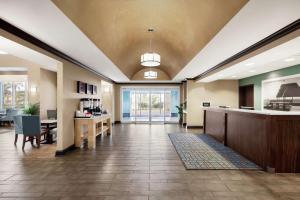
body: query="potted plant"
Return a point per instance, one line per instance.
(180, 113)
(32, 109)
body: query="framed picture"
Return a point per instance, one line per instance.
(81, 87)
(94, 89)
(89, 89)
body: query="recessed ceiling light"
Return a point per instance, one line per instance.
(252, 70)
(249, 64)
(220, 75)
(289, 59)
(233, 76)
(3, 52)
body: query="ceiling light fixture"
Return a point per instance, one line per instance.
(150, 59)
(150, 74)
(289, 59)
(233, 76)
(3, 52)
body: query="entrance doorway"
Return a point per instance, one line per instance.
(149, 105)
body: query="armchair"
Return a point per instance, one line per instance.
(10, 113)
(52, 114)
(29, 126)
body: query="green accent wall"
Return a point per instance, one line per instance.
(257, 81)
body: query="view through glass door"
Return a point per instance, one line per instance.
(157, 106)
(141, 106)
(145, 105)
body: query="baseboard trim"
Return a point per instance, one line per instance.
(66, 150)
(191, 127)
(117, 122)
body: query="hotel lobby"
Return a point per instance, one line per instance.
(150, 100)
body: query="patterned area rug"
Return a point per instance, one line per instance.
(200, 151)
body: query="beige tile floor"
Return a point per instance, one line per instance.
(138, 162)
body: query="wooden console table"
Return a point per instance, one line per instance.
(95, 126)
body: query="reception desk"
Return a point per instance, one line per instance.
(271, 139)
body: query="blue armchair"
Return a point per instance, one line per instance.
(29, 126)
(10, 113)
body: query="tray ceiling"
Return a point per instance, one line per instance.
(119, 28)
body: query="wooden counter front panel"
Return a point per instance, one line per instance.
(215, 125)
(285, 133)
(247, 135)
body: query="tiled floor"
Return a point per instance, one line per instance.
(138, 162)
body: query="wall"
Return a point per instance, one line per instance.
(257, 81)
(48, 94)
(71, 99)
(217, 93)
(117, 105)
(107, 95)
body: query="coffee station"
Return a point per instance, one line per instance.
(90, 107)
(91, 118)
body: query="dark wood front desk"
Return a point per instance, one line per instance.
(269, 139)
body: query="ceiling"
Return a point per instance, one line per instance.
(14, 49)
(256, 20)
(119, 28)
(43, 20)
(281, 56)
(189, 45)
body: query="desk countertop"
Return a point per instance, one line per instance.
(93, 117)
(263, 112)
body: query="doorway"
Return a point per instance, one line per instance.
(149, 105)
(246, 97)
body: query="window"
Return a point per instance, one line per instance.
(20, 94)
(13, 94)
(7, 95)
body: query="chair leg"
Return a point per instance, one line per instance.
(31, 140)
(38, 141)
(16, 139)
(24, 140)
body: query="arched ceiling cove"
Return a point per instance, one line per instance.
(119, 28)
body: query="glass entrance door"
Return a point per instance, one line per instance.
(142, 106)
(146, 105)
(157, 106)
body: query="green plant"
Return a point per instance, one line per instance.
(180, 112)
(32, 109)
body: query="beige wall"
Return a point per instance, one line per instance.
(117, 108)
(48, 94)
(71, 99)
(107, 95)
(217, 93)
